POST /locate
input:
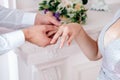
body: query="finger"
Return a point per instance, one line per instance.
(54, 21)
(50, 28)
(70, 40)
(51, 33)
(63, 39)
(56, 36)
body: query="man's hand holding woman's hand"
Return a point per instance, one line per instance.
(40, 33)
(47, 30)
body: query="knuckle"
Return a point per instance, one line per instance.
(67, 29)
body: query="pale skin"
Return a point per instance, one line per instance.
(37, 34)
(89, 46)
(72, 31)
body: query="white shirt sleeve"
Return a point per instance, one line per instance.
(28, 18)
(11, 40)
(15, 19)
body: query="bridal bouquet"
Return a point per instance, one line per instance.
(66, 11)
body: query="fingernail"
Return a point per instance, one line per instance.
(51, 42)
(69, 43)
(60, 47)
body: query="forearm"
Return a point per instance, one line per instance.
(88, 45)
(11, 40)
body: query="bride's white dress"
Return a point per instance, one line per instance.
(110, 69)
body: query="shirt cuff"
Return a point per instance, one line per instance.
(15, 39)
(29, 18)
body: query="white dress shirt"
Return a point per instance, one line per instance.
(14, 20)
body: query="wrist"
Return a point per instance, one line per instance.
(37, 19)
(79, 34)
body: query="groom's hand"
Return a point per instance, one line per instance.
(38, 34)
(46, 20)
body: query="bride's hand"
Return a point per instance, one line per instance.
(67, 32)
